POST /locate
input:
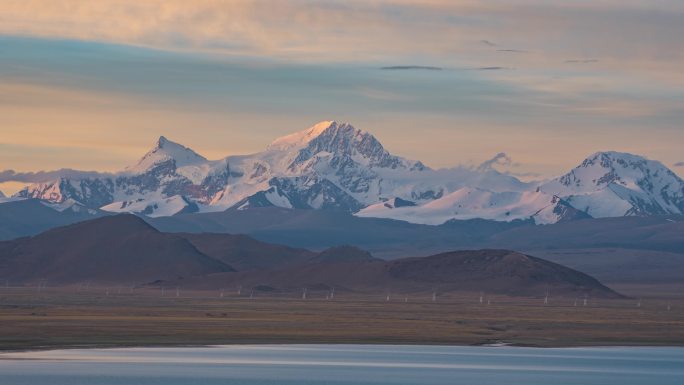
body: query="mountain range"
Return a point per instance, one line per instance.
(335, 166)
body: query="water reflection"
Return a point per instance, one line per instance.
(345, 364)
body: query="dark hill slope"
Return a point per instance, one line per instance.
(246, 253)
(343, 254)
(120, 248)
(492, 271)
(497, 271)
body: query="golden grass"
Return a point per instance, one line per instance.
(67, 318)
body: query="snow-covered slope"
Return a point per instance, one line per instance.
(70, 205)
(613, 184)
(336, 166)
(154, 208)
(471, 203)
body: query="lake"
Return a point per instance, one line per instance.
(346, 364)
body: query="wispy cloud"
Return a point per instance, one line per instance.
(107, 75)
(412, 67)
(500, 159)
(343, 30)
(582, 61)
(679, 164)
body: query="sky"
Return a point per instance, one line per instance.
(92, 85)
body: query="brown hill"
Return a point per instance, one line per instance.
(498, 271)
(649, 249)
(120, 248)
(125, 249)
(246, 253)
(492, 271)
(341, 254)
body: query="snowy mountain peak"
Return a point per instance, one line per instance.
(164, 151)
(609, 159)
(602, 169)
(301, 138)
(161, 141)
(613, 183)
(347, 145)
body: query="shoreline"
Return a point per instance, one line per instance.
(502, 344)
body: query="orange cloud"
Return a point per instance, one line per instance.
(622, 34)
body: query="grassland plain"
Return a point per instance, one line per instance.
(115, 317)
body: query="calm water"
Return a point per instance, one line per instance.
(346, 364)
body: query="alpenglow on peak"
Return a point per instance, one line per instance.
(300, 138)
(166, 150)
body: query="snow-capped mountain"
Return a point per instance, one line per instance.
(328, 166)
(606, 184)
(339, 167)
(613, 184)
(166, 171)
(166, 151)
(470, 203)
